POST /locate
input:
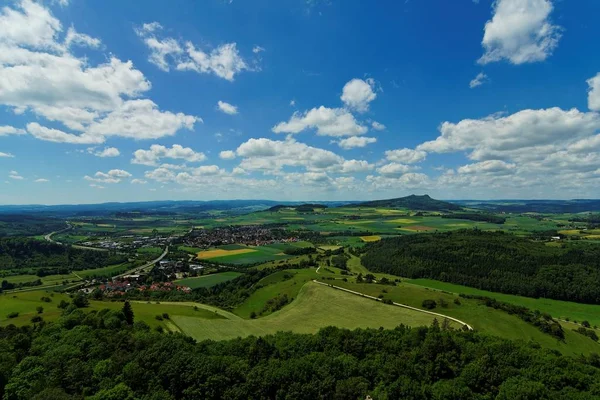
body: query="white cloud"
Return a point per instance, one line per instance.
(6, 155)
(227, 108)
(393, 169)
(138, 181)
(377, 126)
(479, 80)
(327, 122)
(224, 61)
(358, 93)
(520, 31)
(96, 186)
(258, 49)
(15, 175)
(492, 167)
(157, 152)
(38, 73)
(405, 156)
(112, 176)
(292, 103)
(141, 119)
(227, 155)
(80, 39)
(593, 93)
(41, 180)
(498, 137)
(160, 50)
(108, 152)
(207, 170)
(10, 130)
(354, 166)
(410, 180)
(356, 141)
(58, 136)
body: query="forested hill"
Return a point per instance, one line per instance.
(98, 356)
(45, 257)
(412, 202)
(494, 261)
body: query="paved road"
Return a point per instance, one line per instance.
(396, 304)
(147, 265)
(48, 237)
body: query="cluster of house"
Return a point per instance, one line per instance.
(251, 235)
(126, 242)
(132, 282)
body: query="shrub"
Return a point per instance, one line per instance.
(13, 315)
(429, 304)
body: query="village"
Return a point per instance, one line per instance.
(250, 235)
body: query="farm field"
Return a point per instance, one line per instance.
(316, 307)
(208, 280)
(558, 309)
(240, 254)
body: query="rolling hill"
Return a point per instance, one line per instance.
(412, 202)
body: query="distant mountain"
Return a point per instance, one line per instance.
(298, 207)
(537, 206)
(412, 202)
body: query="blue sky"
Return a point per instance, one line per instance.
(298, 100)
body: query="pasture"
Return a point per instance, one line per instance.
(208, 280)
(315, 307)
(558, 309)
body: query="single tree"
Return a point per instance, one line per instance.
(128, 312)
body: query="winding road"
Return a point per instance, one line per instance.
(147, 265)
(396, 304)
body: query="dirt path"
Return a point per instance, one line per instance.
(396, 304)
(223, 313)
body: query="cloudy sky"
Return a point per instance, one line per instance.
(298, 99)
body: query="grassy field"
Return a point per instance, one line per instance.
(208, 280)
(480, 317)
(26, 303)
(556, 308)
(316, 307)
(109, 271)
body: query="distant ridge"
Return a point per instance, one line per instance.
(412, 202)
(300, 207)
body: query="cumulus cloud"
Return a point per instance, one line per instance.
(227, 108)
(40, 74)
(479, 80)
(112, 176)
(137, 181)
(327, 122)
(58, 136)
(356, 141)
(6, 155)
(393, 169)
(405, 156)
(227, 155)
(107, 152)
(10, 130)
(520, 31)
(158, 152)
(493, 167)
(377, 126)
(498, 137)
(358, 93)
(41, 180)
(593, 93)
(223, 61)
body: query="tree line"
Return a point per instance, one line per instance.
(494, 261)
(107, 355)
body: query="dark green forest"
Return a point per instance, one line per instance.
(104, 356)
(494, 261)
(47, 258)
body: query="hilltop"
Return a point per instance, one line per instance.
(412, 202)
